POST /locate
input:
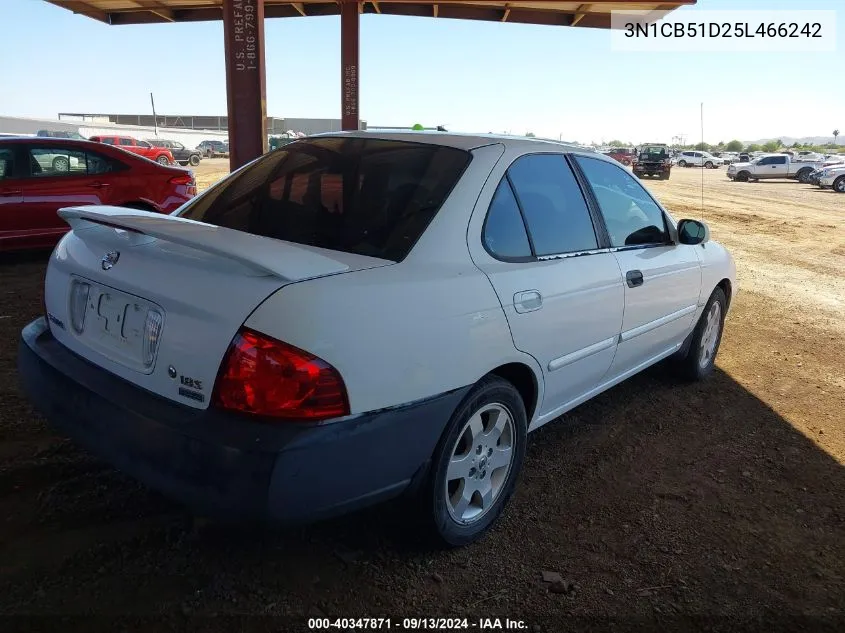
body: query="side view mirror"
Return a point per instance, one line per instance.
(693, 232)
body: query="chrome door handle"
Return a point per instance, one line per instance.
(527, 301)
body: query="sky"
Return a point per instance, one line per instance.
(469, 76)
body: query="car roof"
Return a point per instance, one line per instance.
(48, 140)
(459, 140)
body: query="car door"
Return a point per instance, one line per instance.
(560, 287)
(662, 278)
(129, 145)
(48, 189)
(11, 195)
(778, 167)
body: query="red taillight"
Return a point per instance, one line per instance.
(186, 179)
(266, 377)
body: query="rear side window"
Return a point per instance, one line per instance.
(504, 231)
(125, 141)
(108, 140)
(553, 205)
(370, 197)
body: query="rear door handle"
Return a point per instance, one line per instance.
(527, 301)
(634, 278)
(99, 185)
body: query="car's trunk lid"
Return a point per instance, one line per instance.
(166, 295)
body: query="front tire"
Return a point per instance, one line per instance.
(682, 163)
(708, 165)
(476, 463)
(194, 160)
(839, 184)
(162, 160)
(61, 164)
(700, 359)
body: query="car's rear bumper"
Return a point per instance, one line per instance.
(224, 464)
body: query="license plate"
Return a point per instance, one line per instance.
(114, 325)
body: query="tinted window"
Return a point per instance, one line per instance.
(366, 196)
(143, 144)
(108, 140)
(554, 207)
(7, 163)
(49, 161)
(125, 141)
(99, 164)
(631, 216)
(504, 230)
(779, 160)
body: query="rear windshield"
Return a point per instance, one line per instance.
(370, 197)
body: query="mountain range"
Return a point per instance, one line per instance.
(789, 140)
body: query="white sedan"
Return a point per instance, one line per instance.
(362, 315)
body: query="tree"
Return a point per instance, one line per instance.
(702, 147)
(734, 146)
(530, 134)
(616, 143)
(771, 146)
(753, 148)
(835, 136)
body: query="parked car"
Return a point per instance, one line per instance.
(624, 155)
(773, 166)
(260, 379)
(161, 155)
(40, 175)
(181, 154)
(808, 156)
(833, 177)
(61, 134)
(653, 160)
(211, 149)
(699, 159)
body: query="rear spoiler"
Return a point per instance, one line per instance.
(286, 260)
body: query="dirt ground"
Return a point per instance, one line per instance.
(714, 506)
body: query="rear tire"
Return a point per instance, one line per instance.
(682, 163)
(700, 359)
(708, 164)
(61, 164)
(476, 464)
(839, 184)
(194, 160)
(803, 175)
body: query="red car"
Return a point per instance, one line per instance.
(624, 155)
(161, 155)
(38, 176)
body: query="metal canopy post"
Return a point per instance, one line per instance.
(243, 31)
(349, 34)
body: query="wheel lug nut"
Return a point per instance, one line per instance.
(478, 450)
(489, 452)
(483, 474)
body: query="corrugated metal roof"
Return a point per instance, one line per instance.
(595, 14)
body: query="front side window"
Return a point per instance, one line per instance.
(49, 161)
(631, 215)
(765, 161)
(143, 144)
(370, 197)
(504, 233)
(108, 140)
(553, 205)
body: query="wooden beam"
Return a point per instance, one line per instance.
(582, 11)
(375, 6)
(299, 8)
(506, 14)
(436, 10)
(156, 8)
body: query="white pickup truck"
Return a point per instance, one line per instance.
(773, 166)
